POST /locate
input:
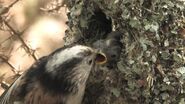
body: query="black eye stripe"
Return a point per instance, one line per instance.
(54, 83)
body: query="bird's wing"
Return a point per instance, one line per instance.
(7, 95)
(18, 89)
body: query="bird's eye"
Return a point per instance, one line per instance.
(90, 62)
(113, 56)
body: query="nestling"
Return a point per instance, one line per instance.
(111, 46)
(59, 78)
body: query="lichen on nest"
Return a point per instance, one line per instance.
(152, 64)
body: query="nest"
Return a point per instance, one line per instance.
(151, 68)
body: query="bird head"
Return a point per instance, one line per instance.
(68, 68)
(61, 77)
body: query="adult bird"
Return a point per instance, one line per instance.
(59, 78)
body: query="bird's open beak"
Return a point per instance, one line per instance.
(100, 58)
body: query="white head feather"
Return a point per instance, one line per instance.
(64, 55)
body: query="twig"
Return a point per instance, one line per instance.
(53, 9)
(13, 3)
(6, 9)
(5, 85)
(150, 11)
(6, 39)
(5, 59)
(26, 47)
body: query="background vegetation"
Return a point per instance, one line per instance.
(151, 69)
